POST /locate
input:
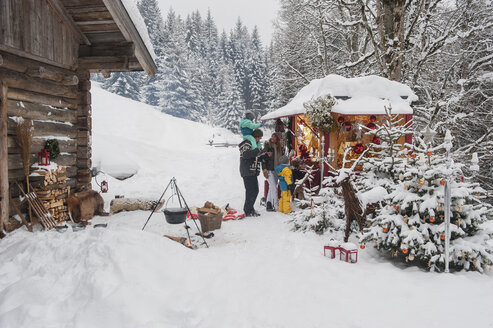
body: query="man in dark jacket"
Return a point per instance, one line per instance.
(250, 160)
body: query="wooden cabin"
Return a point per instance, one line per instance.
(48, 48)
(359, 101)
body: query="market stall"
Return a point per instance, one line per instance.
(350, 104)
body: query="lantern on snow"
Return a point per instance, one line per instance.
(104, 186)
(43, 157)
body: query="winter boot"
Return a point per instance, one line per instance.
(270, 208)
(262, 201)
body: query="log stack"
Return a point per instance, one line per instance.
(51, 187)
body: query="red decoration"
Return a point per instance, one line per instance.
(442, 237)
(396, 207)
(347, 255)
(358, 148)
(371, 126)
(404, 250)
(340, 120)
(429, 152)
(432, 219)
(442, 182)
(362, 246)
(43, 157)
(373, 118)
(303, 151)
(385, 229)
(104, 186)
(375, 140)
(413, 155)
(348, 126)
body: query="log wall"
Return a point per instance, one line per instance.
(38, 31)
(59, 103)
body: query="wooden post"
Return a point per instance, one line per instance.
(84, 130)
(4, 168)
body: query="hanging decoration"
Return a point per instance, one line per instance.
(340, 119)
(347, 126)
(373, 118)
(371, 126)
(53, 148)
(358, 148)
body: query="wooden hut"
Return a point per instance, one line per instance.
(358, 101)
(48, 48)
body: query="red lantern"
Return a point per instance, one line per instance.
(347, 126)
(373, 118)
(104, 186)
(340, 120)
(375, 140)
(358, 148)
(372, 126)
(43, 157)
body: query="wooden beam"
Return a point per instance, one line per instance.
(25, 82)
(60, 10)
(129, 31)
(115, 64)
(23, 95)
(4, 166)
(41, 59)
(107, 49)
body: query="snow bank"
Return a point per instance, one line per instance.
(368, 95)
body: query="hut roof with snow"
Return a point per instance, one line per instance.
(355, 96)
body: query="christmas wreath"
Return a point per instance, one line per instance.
(318, 111)
(53, 148)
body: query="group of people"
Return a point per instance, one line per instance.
(268, 158)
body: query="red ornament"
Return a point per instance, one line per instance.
(340, 120)
(375, 140)
(385, 229)
(347, 126)
(373, 118)
(442, 237)
(413, 155)
(371, 126)
(43, 157)
(362, 246)
(429, 152)
(404, 250)
(104, 186)
(358, 148)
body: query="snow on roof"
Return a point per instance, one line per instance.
(134, 13)
(367, 95)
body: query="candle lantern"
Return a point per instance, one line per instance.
(43, 157)
(104, 186)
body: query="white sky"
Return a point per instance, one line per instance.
(226, 12)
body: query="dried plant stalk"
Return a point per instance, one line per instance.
(24, 135)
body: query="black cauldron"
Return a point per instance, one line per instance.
(175, 215)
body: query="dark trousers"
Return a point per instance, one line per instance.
(251, 193)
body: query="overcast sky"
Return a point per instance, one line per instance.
(226, 13)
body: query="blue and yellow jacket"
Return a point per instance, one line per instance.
(285, 176)
(247, 126)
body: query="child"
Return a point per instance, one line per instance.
(286, 183)
(247, 126)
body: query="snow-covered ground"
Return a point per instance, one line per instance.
(256, 273)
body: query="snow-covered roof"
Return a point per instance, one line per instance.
(136, 17)
(364, 95)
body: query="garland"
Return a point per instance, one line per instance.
(53, 148)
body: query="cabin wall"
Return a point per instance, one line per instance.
(37, 32)
(59, 103)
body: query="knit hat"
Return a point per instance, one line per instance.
(257, 133)
(283, 160)
(250, 116)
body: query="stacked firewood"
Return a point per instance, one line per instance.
(51, 187)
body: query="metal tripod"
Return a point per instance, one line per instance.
(176, 191)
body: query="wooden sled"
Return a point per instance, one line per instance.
(42, 215)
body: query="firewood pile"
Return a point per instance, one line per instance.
(51, 187)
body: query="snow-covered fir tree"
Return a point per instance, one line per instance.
(125, 84)
(410, 224)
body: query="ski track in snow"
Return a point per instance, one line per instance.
(256, 273)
